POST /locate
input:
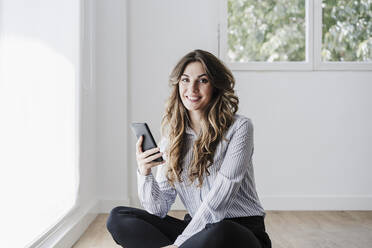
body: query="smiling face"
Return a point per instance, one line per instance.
(195, 87)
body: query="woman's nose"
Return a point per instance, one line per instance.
(194, 87)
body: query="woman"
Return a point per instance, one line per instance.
(207, 150)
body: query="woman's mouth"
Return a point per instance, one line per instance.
(193, 99)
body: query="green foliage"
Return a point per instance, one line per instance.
(269, 30)
(347, 30)
(266, 30)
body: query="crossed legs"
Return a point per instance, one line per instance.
(133, 227)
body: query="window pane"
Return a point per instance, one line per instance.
(347, 30)
(266, 30)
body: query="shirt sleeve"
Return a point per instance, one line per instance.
(227, 183)
(156, 194)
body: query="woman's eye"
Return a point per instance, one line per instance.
(203, 80)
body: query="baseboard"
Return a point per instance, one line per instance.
(107, 205)
(69, 230)
(280, 202)
(317, 202)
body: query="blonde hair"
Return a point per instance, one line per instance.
(217, 118)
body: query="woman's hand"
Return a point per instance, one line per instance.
(170, 246)
(144, 159)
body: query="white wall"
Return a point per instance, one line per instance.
(312, 137)
(312, 129)
(111, 93)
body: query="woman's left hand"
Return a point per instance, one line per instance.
(170, 246)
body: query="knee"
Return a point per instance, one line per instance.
(224, 224)
(217, 234)
(121, 209)
(232, 233)
(116, 216)
(223, 228)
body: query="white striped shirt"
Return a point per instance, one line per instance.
(229, 191)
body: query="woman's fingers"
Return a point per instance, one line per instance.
(146, 153)
(153, 164)
(139, 145)
(151, 158)
(145, 159)
(148, 166)
(149, 152)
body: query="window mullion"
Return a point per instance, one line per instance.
(317, 39)
(310, 33)
(222, 27)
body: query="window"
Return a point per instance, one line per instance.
(39, 47)
(266, 30)
(296, 34)
(346, 30)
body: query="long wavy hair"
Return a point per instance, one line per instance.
(216, 120)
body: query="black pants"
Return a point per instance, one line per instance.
(136, 228)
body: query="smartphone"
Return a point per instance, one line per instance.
(148, 141)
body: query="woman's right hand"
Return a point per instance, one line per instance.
(144, 159)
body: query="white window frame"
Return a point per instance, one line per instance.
(313, 40)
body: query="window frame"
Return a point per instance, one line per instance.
(313, 43)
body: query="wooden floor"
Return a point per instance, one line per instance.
(287, 229)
